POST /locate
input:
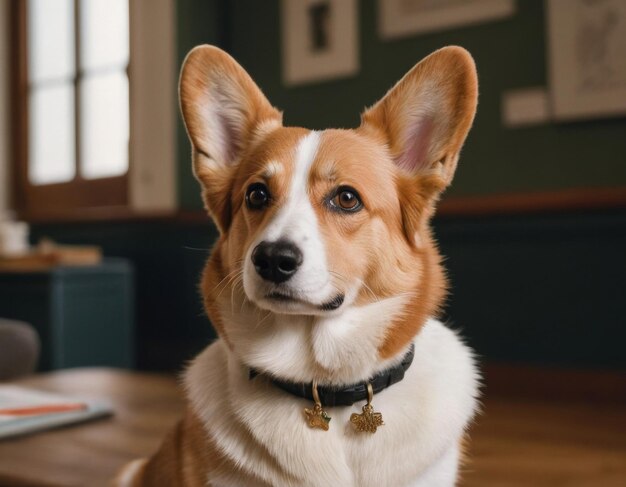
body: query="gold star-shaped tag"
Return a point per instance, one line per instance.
(317, 417)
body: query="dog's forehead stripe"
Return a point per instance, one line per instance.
(296, 216)
(305, 155)
(296, 221)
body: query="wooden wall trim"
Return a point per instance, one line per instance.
(573, 199)
(109, 214)
(552, 383)
(19, 108)
(6, 43)
(577, 199)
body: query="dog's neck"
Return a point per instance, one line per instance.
(339, 349)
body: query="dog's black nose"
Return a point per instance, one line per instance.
(276, 261)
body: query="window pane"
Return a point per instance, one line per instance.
(51, 39)
(51, 145)
(105, 125)
(103, 33)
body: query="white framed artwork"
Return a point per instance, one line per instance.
(401, 18)
(587, 58)
(319, 40)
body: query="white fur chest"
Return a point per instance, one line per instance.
(262, 429)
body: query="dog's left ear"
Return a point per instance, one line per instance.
(424, 120)
(426, 116)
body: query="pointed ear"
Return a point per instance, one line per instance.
(223, 110)
(426, 116)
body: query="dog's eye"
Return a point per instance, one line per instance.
(346, 199)
(257, 196)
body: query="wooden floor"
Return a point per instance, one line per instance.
(518, 440)
(530, 442)
(89, 455)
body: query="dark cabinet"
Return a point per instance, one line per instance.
(84, 315)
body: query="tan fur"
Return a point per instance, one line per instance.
(372, 244)
(183, 459)
(218, 275)
(450, 75)
(274, 149)
(387, 246)
(464, 456)
(209, 74)
(451, 71)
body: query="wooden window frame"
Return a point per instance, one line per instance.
(50, 201)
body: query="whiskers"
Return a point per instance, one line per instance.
(259, 313)
(344, 280)
(198, 249)
(233, 279)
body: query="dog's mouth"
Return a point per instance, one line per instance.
(281, 297)
(276, 296)
(333, 304)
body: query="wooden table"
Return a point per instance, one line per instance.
(539, 441)
(90, 454)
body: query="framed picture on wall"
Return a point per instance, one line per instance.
(587, 58)
(319, 40)
(401, 18)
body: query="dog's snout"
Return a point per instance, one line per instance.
(276, 261)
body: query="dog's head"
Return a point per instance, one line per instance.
(315, 226)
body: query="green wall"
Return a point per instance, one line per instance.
(509, 54)
(198, 22)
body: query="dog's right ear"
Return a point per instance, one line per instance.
(222, 108)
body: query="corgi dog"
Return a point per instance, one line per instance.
(331, 368)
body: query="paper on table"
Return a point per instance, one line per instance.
(16, 397)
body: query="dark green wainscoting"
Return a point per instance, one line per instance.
(547, 289)
(544, 289)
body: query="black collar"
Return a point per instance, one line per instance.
(346, 396)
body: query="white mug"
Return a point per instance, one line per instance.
(13, 238)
